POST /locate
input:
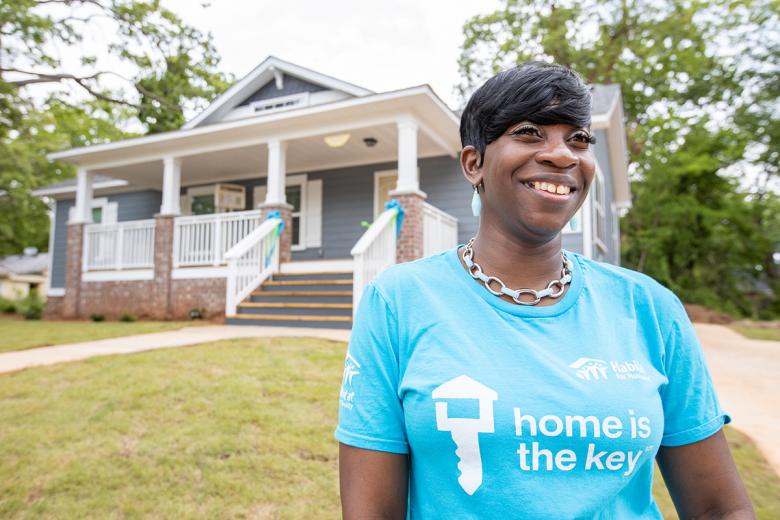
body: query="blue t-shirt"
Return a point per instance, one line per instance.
(524, 412)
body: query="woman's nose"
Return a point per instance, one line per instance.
(557, 154)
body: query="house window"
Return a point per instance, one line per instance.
(202, 204)
(97, 215)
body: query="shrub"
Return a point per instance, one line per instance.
(127, 317)
(8, 306)
(197, 314)
(31, 306)
(96, 317)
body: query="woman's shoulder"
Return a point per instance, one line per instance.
(407, 276)
(625, 281)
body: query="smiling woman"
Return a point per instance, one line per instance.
(509, 322)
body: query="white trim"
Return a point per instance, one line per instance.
(188, 273)
(587, 227)
(52, 221)
(55, 291)
(43, 192)
(267, 71)
(117, 276)
(317, 266)
(378, 175)
(82, 153)
(171, 186)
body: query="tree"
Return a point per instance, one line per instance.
(152, 70)
(689, 118)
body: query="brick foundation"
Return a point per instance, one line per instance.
(53, 309)
(73, 262)
(112, 299)
(160, 293)
(285, 243)
(207, 294)
(409, 245)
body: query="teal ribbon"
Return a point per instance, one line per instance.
(399, 215)
(277, 234)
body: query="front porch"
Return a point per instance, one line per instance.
(202, 249)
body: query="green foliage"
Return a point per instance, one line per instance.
(31, 306)
(8, 306)
(127, 317)
(197, 314)
(173, 69)
(696, 119)
(97, 317)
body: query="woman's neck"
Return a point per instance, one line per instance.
(518, 263)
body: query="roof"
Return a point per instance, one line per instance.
(24, 264)
(269, 70)
(69, 185)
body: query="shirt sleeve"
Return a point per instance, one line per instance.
(691, 408)
(370, 410)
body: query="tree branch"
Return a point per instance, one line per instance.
(81, 81)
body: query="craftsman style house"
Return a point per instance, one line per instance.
(192, 219)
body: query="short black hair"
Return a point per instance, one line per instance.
(539, 92)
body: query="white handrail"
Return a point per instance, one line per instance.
(440, 230)
(125, 245)
(373, 253)
(249, 262)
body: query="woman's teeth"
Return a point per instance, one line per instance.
(549, 187)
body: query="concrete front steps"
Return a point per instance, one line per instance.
(314, 299)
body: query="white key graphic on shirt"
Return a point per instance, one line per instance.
(465, 431)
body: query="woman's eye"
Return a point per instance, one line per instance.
(526, 130)
(584, 138)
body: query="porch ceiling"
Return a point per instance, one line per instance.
(306, 154)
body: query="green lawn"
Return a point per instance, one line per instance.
(758, 332)
(25, 334)
(234, 429)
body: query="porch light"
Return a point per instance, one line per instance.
(337, 140)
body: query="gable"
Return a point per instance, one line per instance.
(293, 85)
(290, 86)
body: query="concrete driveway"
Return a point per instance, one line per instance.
(746, 373)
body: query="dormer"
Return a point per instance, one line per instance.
(274, 86)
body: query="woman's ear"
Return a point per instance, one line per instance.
(470, 159)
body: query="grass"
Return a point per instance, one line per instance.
(24, 334)
(772, 334)
(233, 429)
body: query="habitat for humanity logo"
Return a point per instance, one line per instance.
(347, 395)
(591, 369)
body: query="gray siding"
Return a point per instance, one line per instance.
(292, 85)
(130, 206)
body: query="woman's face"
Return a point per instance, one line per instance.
(535, 178)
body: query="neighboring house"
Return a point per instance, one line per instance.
(162, 224)
(21, 274)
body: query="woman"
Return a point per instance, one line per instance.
(465, 398)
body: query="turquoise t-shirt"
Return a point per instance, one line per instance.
(511, 411)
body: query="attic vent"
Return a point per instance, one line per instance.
(281, 103)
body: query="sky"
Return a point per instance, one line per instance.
(379, 45)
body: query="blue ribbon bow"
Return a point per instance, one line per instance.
(279, 228)
(399, 218)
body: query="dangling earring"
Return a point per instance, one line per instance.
(476, 202)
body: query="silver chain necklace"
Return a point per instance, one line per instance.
(475, 270)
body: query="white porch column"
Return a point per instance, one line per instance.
(277, 167)
(82, 213)
(171, 186)
(408, 177)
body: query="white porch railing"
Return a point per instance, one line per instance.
(251, 261)
(204, 239)
(440, 230)
(126, 245)
(373, 253)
